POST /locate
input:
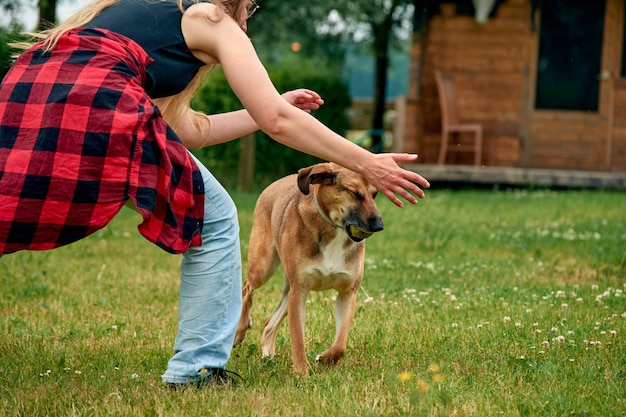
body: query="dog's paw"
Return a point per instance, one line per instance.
(318, 358)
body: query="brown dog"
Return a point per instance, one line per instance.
(318, 237)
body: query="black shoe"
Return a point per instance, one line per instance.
(216, 377)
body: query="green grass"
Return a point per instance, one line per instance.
(474, 303)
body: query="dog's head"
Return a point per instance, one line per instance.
(344, 197)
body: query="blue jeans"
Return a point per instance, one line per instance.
(210, 290)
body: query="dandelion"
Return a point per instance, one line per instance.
(422, 386)
(405, 376)
(437, 378)
(434, 368)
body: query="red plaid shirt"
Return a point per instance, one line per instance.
(79, 137)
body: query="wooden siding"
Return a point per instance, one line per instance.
(617, 150)
(488, 65)
(494, 68)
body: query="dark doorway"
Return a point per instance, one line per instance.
(570, 55)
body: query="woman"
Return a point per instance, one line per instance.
(98, 114)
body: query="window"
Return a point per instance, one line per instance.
(570, 55)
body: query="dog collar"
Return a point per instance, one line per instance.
(321, 212)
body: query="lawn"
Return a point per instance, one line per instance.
(474, 303)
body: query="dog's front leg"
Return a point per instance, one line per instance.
(297, 315)
(345, 306)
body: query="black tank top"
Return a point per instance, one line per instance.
(155, 26)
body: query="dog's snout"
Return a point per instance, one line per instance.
(375, 224)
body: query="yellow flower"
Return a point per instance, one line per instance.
(434, 368)
(437, 378)
(422, 386)
(405, 376)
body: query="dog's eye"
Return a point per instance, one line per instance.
(358, 195)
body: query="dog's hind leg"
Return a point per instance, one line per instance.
(262, 263)
(345, 306)
(268, 341)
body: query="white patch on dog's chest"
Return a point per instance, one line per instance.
(330, 270)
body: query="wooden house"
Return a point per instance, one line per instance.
(546, 80)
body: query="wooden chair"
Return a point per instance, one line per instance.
(451, 125)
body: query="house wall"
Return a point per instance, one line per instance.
(489, 63)
(617, 142)
(494, 68)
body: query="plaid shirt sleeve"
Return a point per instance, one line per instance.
(79, 137)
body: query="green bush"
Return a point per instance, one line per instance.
(272, 159)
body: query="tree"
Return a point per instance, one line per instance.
(384, 20)
(47, 13)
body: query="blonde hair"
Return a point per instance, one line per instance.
(172, 108)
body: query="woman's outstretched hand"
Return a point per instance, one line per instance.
(393, 181)
(304, 99)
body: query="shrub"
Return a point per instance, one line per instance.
(272, 159)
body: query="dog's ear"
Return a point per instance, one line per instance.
(316, 174)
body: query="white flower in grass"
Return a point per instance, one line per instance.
(564, 306)
(134, 376)
(537, 331)
(560, 339)
(507, 319)
(518, 324)
(545, 344)
(613, 333)
(594, 287)
(77, 372)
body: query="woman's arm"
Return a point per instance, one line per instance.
(224, 127)
(222, 40)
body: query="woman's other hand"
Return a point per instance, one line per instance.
(304, 99)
